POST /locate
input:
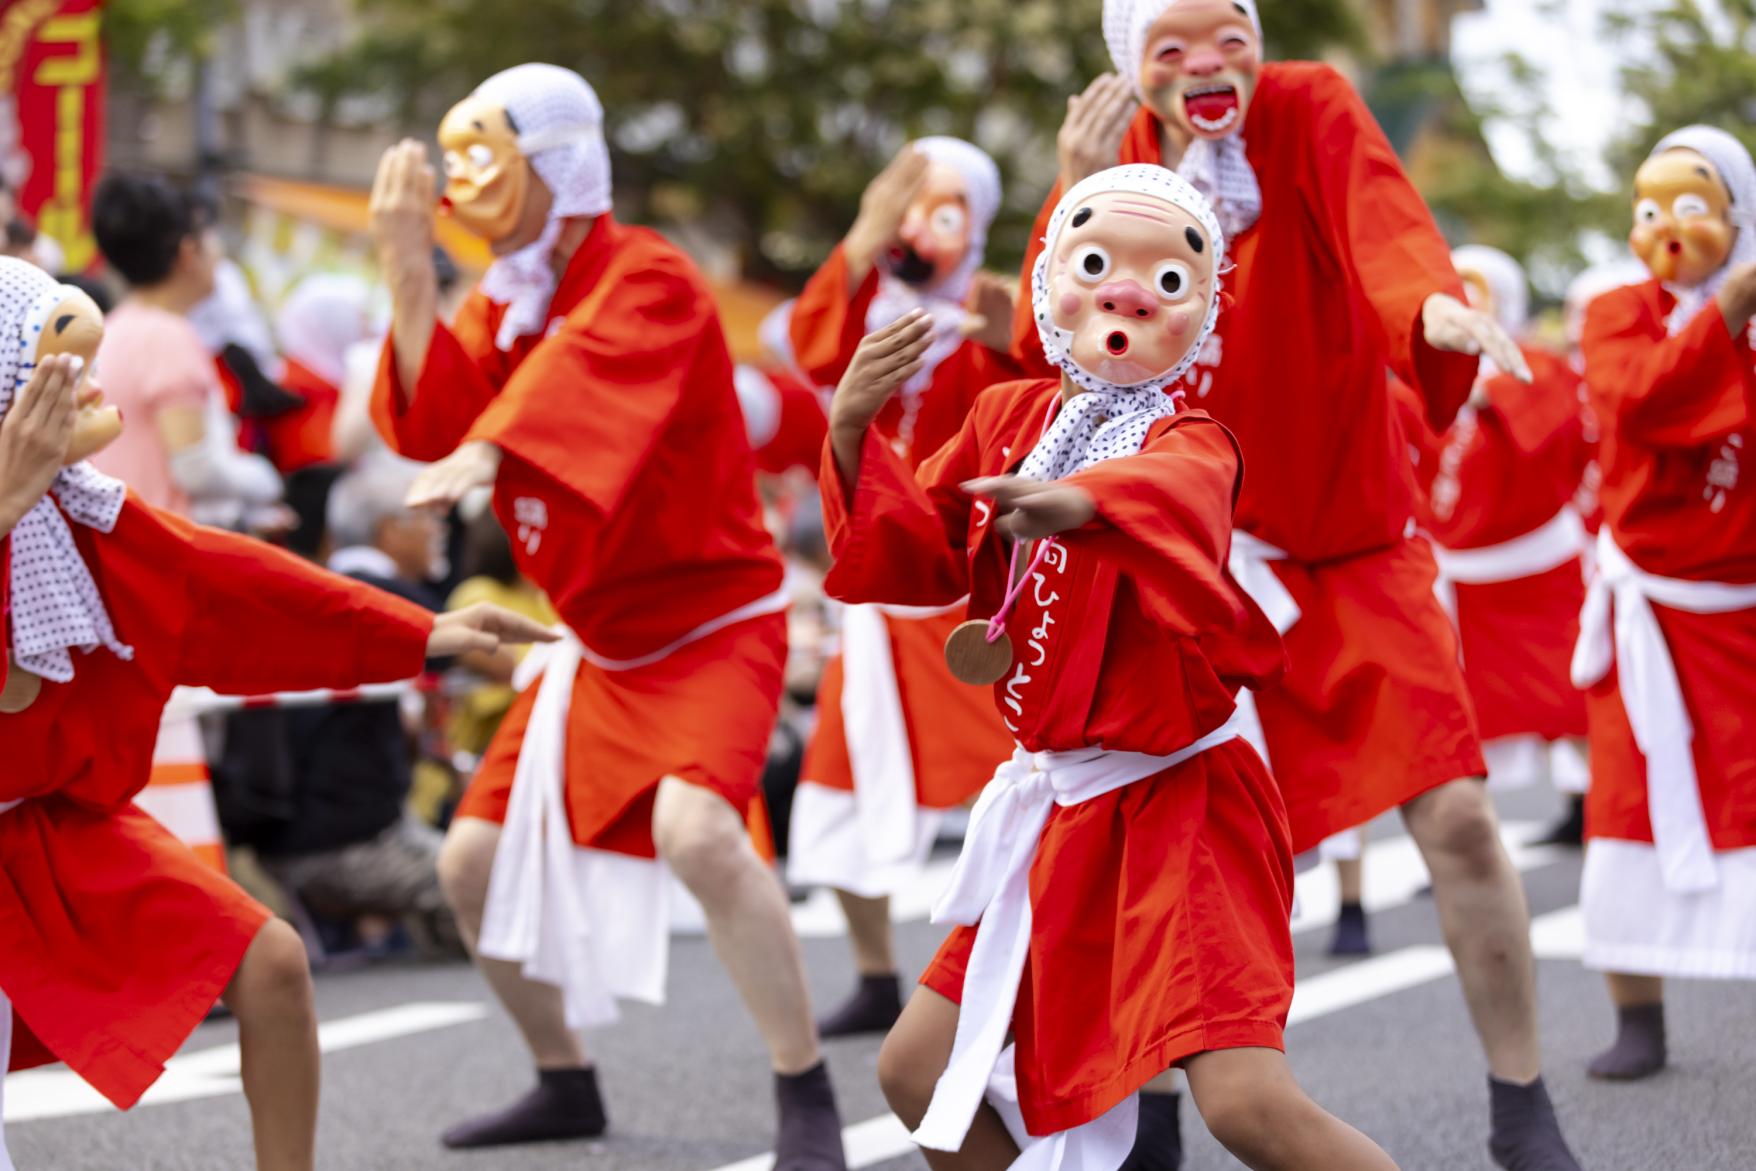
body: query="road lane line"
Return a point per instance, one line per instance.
(213, 1072)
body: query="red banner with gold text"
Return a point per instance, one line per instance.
(52, 116)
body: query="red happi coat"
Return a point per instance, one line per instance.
(1678, 438)
(115, 939)
(1505, 469)
(1328, 288)
(1159, 910)
(954, 739)
(627, 486)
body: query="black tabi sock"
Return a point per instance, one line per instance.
(1351, 935)
(1158, 1143)
(1570, 830)
(873, 1008)
(1639, 1050)
(563, 1104)
(810, 1125)
(1526, 1136)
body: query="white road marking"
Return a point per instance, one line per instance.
(1394, 875)
(211, 1073)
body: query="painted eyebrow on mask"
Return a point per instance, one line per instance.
(1195, 240)
(1081, 216)
(63, 321)
(1242, 11)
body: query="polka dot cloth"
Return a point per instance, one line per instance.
(561, 131)
(1219, 170)
(1738, 172)
(1109, 420)
(981, 179)
(55, 604)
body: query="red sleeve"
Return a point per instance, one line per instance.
(1027, 345)
(1164, 517)
(895, 536)
(588, 406)
(1664, 391)
(264, 620)
(1550, 408)
(803, 427)
(1379, 227)
(462, 372)
(827, 324)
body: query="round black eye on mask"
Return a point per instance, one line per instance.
(1195, 240)
(910, 267)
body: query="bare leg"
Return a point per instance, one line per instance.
(277, 1033)
(869, 932)
(1351, 873)
(465, 863)
(1639, 1049)
(914, 1055)
(1485, 921)
(565, 1103)
(877, 999)
(1252, 1105)
(707, 844)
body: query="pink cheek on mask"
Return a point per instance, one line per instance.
(1178, 325)
(1070, 304)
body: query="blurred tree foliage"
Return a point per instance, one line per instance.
(1686, 62)
(1698, 67)
(760, 121)
(146, 38)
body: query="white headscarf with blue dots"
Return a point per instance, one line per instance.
(1109, 420)
(54, 605)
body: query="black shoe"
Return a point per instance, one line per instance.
(1570, 830)
(1639, 1051)
(1158, 1143)
(810, 1125)
(1352, 938)
(1525, 1134)
(564, 1104)
(873, 1008)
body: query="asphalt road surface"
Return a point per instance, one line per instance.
(1382, 1042)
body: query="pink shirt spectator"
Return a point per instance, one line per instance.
(150, 360)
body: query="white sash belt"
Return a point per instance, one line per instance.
(880, 752)
(990, 885)
(1653, 697)
(1251, 563)
(1554, 544)
(593, 923)
(8, 805)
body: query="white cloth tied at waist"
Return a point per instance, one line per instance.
(1653, 697)
(880, 753)
(1549, 546)
(990, 885)
(591, 922)
(1251, 562)
(6, 805)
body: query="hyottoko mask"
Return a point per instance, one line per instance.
(75, 326)
(1198, 63)
(935, 233)
(1683, 230)
(1129, 286)
(489, 183)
